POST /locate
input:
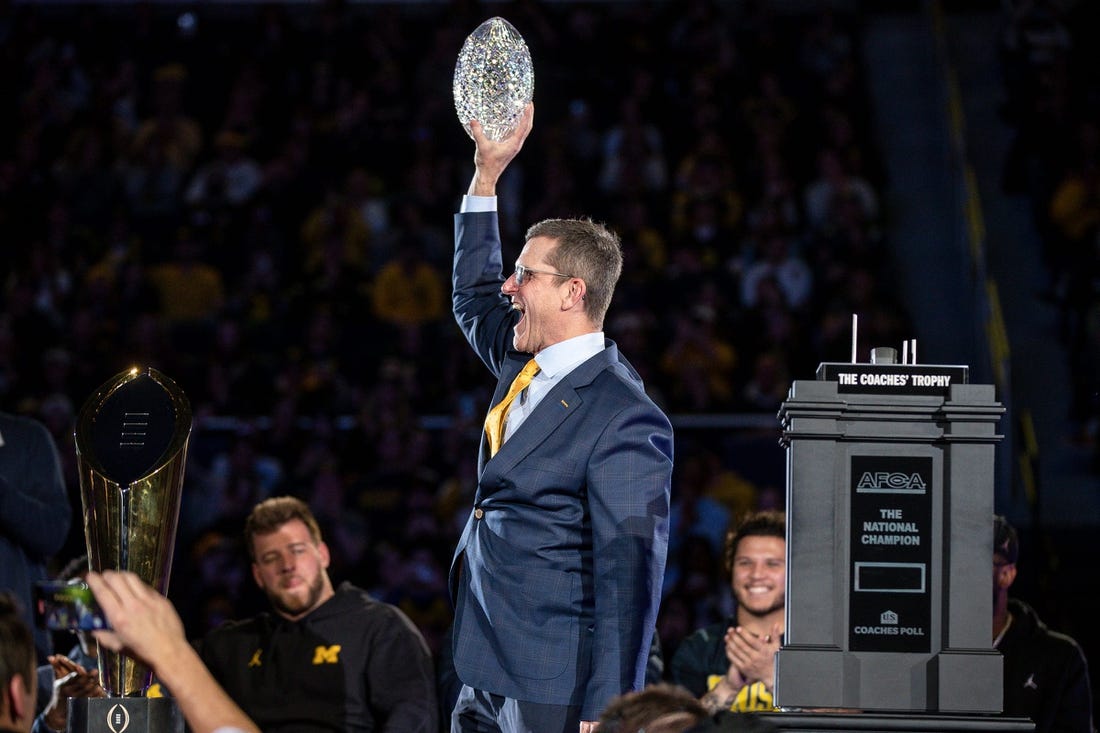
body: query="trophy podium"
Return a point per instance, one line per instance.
(131, 444)
(889, 550)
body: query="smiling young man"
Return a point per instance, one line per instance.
(556, 579)
(328, 658)
(731, 665)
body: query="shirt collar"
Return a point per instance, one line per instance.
(564, 355)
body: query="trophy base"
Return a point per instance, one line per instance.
(124, 715)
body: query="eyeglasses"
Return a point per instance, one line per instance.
(522, 273)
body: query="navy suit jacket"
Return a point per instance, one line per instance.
(556, 579)
(35, 513)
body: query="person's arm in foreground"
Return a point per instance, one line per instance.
(145, 624)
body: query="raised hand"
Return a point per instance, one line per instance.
(143, 622)
(492, 157)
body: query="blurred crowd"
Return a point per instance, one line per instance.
(257, 199)
(1049, 54)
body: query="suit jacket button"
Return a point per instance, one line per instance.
(479, 513)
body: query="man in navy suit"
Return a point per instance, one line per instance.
(556, 579)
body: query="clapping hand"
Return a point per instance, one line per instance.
(70, 680)
(752, 655)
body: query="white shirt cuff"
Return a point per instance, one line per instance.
(472, 204)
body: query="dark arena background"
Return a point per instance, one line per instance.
(256, 199)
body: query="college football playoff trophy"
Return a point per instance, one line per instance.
(131, 446)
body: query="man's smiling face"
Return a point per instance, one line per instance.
(539, 299)
(760, 574)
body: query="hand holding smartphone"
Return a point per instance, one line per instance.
(67, 605)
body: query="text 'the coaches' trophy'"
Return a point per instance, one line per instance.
(131, 446)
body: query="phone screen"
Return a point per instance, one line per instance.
(67, 606)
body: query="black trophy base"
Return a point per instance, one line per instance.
(124, 715)
(826, 722)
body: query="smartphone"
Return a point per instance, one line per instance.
(67, 605)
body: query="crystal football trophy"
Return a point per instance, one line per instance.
(131, 443)
(494, 79)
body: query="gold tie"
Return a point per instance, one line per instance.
(494, 422)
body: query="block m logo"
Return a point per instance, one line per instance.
(327, 654)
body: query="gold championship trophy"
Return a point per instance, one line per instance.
(131, 446)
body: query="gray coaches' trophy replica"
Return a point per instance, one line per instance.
(131, 445)
(889, 551)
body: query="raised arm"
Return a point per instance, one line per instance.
(491, 157)
(146, 625)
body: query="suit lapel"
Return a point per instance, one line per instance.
(547, 417)
(558, 404)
